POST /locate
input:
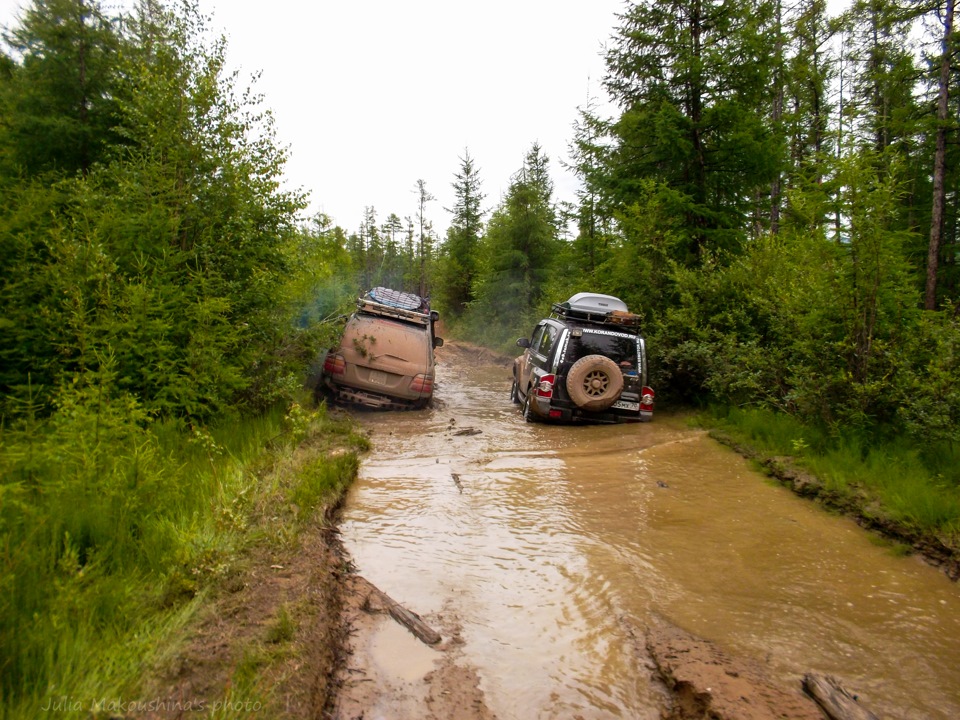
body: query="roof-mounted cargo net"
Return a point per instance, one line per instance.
(394, 303)
(398, 299)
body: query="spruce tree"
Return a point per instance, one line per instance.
(458, 255)
(520, 251)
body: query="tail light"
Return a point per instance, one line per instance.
(646, 398)
(545, 386)
(335, 365)
(422, 384)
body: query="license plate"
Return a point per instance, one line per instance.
(627, 405)
(378, 378)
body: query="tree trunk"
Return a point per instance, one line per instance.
(775, 188)
(940, 163)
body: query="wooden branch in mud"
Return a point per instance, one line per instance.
(468, 431)
(413, 623)
(409, 620)
(836, 702)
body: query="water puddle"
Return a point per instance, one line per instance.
(547, 543)
(399, 654)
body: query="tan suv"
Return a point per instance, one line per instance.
(385, 358)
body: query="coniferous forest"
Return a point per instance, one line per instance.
(775, 190)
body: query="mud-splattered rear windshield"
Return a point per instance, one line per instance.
(620, 348)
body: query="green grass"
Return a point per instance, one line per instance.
(283, 627)
(917, 486)
(112, 527)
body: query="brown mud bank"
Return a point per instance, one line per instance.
(859, 507)
(268, 641)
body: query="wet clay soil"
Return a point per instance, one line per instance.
(388, 676)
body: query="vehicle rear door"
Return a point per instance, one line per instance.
(544, 340)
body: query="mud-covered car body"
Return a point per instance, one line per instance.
(585, 363)
(385, 357)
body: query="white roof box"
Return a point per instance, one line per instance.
(595, 303)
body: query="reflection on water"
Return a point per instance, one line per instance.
(549, 537)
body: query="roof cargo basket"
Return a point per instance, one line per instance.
(394, 303)
(597, 308)
(398, 299)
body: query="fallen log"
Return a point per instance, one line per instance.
(413, 623)
(836, 702)
(468, 431)
(408, 619)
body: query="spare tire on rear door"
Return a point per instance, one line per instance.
(594, 382)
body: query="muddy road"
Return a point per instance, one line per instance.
(544, 554)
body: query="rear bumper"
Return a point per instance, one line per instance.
(556, 410)
(377, 401)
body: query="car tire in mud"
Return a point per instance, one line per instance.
(594, 382)
(528, 414)
(515, 393)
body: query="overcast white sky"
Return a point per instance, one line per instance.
(371, 96)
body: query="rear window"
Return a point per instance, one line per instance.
(408, 341)
(620, 348)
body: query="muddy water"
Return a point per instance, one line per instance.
(545, 547)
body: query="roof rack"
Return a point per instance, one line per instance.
(398, 299)
(372, 307)
(596, 308)
(393, 303)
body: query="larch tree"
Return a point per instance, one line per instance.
(425, 235)
(693, 83)
(810, 70)
(882, 107)
(945, 125)
(60, 99)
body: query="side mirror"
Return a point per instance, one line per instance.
(438, 342)
(523, 342)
